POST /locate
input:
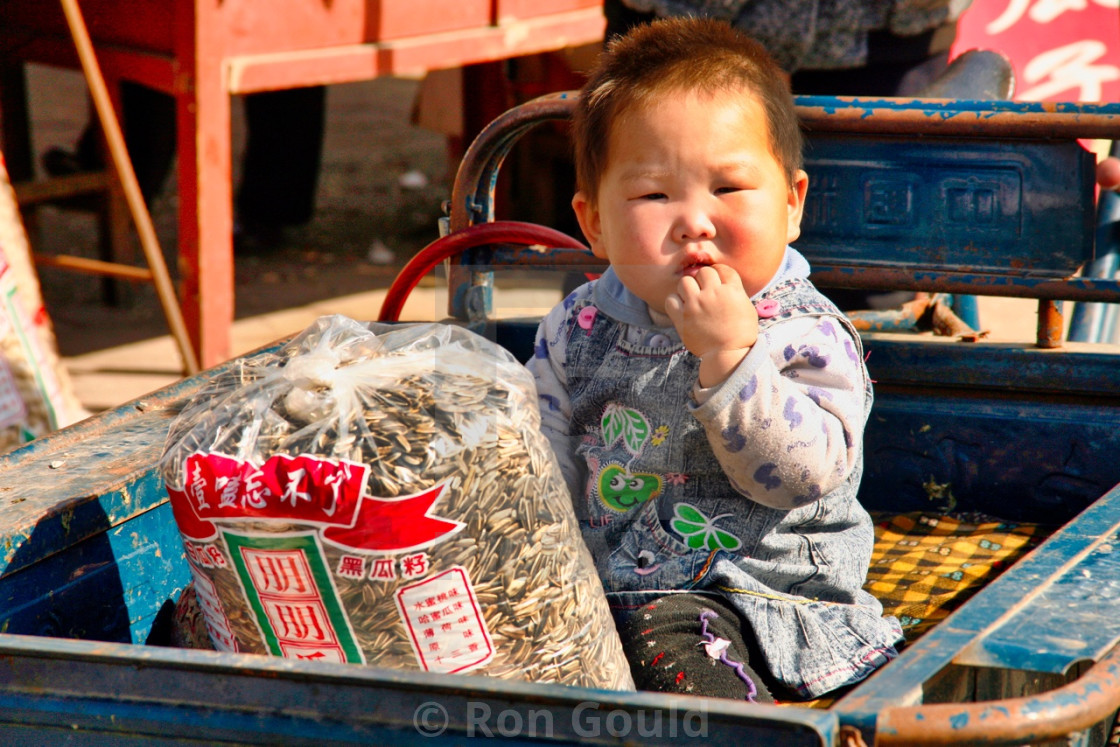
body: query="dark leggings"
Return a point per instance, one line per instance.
(695, 645)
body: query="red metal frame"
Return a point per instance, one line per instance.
(204, 51)
(483, 234)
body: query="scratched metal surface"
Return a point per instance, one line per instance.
(1014, 431)
(88, 546)
(1066, 593)
(107, 587)
(1047, 612)
(96, 480)
(88, 693)
(1000, 119)
(977, 206)
(924, 360)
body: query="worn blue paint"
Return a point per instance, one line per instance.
(107, 587)
(1000, 711)
(113, 691)
(89, 547)
(953, 107)
(964, 639)
(977, 206)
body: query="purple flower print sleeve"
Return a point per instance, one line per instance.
(787, 425)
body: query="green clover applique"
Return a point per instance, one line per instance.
(700, 531)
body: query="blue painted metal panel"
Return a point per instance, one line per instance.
(167, 694)
(1068, 594)
(108, 587)
(1014, 431)
(1075, 370)
(1022, 208)
(88, 546)
(1002, 625)
(116, 456)
(1021, 461)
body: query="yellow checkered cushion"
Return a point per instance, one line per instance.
(924, 566)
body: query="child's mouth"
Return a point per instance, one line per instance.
(692, 268)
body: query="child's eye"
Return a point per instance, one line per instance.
(653, 196)
(727, 190)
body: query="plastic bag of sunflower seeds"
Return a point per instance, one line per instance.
(383, 494)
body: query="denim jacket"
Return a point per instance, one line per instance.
(746, 490)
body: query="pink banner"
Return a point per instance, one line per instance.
(1061, 50)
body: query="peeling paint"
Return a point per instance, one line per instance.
(1000, 711)
(940, 493)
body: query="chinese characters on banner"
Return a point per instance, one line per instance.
(1061, 50)
(328, 493)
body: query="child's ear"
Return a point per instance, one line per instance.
(587, 213)
(795, 207)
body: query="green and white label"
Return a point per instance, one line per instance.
(288, 585)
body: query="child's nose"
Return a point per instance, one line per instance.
(694, 223)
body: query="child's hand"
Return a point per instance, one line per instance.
(716, 320)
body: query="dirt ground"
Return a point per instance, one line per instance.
(364, 207)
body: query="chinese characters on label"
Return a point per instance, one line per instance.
(290, 583)
(292, 597)
(205, 555)
(292, 605)
(302, 488)
(444, 622)
(383, 569)
(213, 613)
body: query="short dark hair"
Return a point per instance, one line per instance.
(680, 54)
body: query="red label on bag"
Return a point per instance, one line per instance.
(330, 493)
(213, 613)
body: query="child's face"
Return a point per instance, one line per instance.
(691, 181)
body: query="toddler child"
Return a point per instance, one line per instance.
(706, 403)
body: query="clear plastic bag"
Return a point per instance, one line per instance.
(383, 494)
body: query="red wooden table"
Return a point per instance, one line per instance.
(204, 51)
